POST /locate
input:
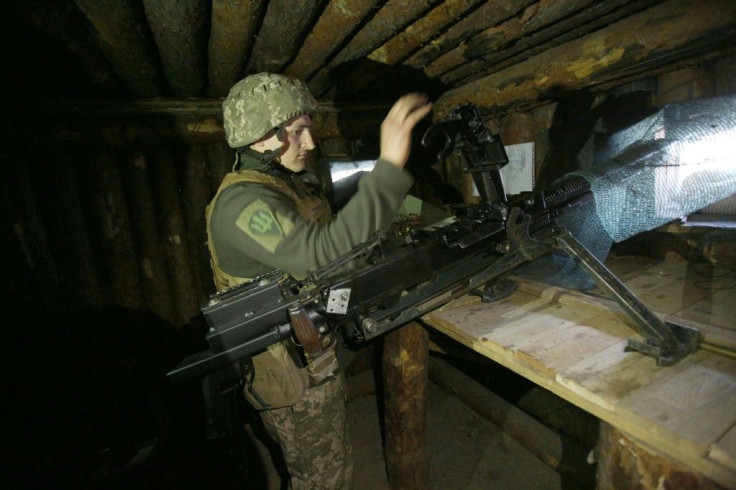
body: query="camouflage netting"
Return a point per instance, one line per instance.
(667, 166)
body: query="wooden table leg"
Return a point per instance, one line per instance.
(405, 367)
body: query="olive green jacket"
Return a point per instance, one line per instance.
(255, 227)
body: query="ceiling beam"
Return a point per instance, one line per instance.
(662, 35)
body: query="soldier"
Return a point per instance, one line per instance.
(265, 217)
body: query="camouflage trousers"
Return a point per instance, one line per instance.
(313, 435)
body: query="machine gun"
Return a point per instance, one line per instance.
(397, 282)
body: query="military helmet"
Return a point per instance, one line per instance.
(259, 103)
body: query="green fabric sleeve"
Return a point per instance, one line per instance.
(298, 246)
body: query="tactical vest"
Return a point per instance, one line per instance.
(311, 207)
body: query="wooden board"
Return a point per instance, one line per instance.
(686, 290)
(574, 345)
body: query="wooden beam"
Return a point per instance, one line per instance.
(402, 45)
(179, 31)
(145, 122)
(220, 158)
(339, 19)
(232, 30)
(657, 36)
(278, 38)
(176, 251)
(154, 278)
(505, 36)
(685, 84)
(188, 107)
(73, 246)
(195, 186)
(393, 16)
(533, 42)
(125, 39)
(111, 226)
(63, 21)
(490, 14)
(132, 133)
(420, 32)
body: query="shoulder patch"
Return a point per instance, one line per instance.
(264, 225)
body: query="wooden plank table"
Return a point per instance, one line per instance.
(573, 345)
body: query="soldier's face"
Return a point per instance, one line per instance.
(297, 142)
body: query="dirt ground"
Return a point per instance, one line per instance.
(466, 451)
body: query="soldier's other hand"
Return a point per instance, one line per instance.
(396, 128)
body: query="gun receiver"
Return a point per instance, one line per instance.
(399, 282)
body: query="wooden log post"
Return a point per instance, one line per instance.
(155, 282)
(27, 252)
(220, 158)
(176, 251)
(196, 189)
(72, 235)
(624, 462)
(685, 84)
(518, 128)
(109, 211)
(405, 367)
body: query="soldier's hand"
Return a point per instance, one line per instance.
(396, 128)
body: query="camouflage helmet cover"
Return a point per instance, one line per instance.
(258, 103)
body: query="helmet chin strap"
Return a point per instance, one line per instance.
(269, 158)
